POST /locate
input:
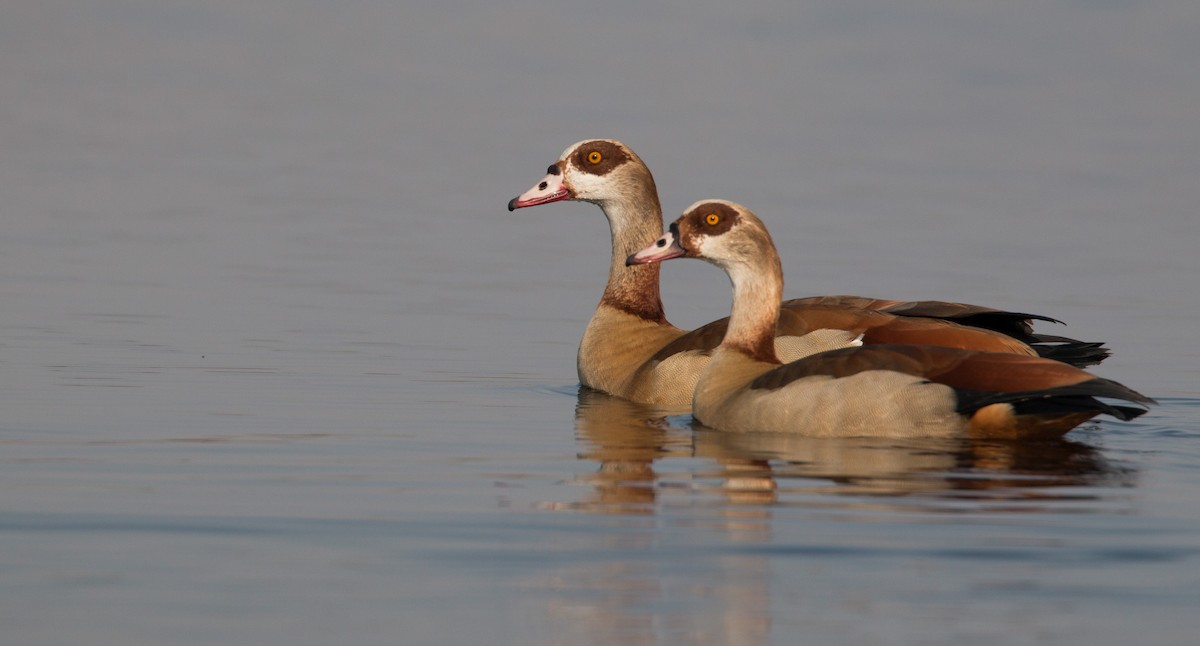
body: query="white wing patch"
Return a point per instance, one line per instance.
(791, 348)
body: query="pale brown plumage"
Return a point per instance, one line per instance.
(629, 349)
(889, 389)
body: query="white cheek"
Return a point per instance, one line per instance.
(715, 249)
(585, 185)
(712, 247)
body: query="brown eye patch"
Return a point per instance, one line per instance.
(710, 218)
(599, 157)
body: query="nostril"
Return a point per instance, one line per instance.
(661, 243)
(542, 186)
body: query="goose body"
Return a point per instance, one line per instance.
(888, 389)
(656, 363)
(629, 348)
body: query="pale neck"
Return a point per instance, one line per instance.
(634, 223)
(757, 292)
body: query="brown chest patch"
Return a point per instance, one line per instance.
(636, 293)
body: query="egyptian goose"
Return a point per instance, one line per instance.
(608, 173)
(890, 390)
(630, 350)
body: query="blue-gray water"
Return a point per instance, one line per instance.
(278, 367)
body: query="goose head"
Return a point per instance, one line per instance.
(599, 171)
(724, 233)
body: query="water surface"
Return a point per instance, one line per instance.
(279, 367)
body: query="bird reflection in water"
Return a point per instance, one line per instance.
(717, 500)
(626, 439)
(631, 444)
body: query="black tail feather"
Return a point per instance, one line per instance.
(1014, 324)
(1054, 338)
(1076, 353)
(1076, 398)
(1076, 404)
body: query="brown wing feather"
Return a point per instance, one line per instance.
(994, 372)
(859, 302)
(967, 314)
(1015, 324)
(800, 321)
(920, 331)
(963, 369)
(929, 309)
(703, 339)
(878, 327)
(1018, 325)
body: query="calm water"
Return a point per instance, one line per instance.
(278, 367)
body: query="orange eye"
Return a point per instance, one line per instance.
(712, 219)
(594, 157)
